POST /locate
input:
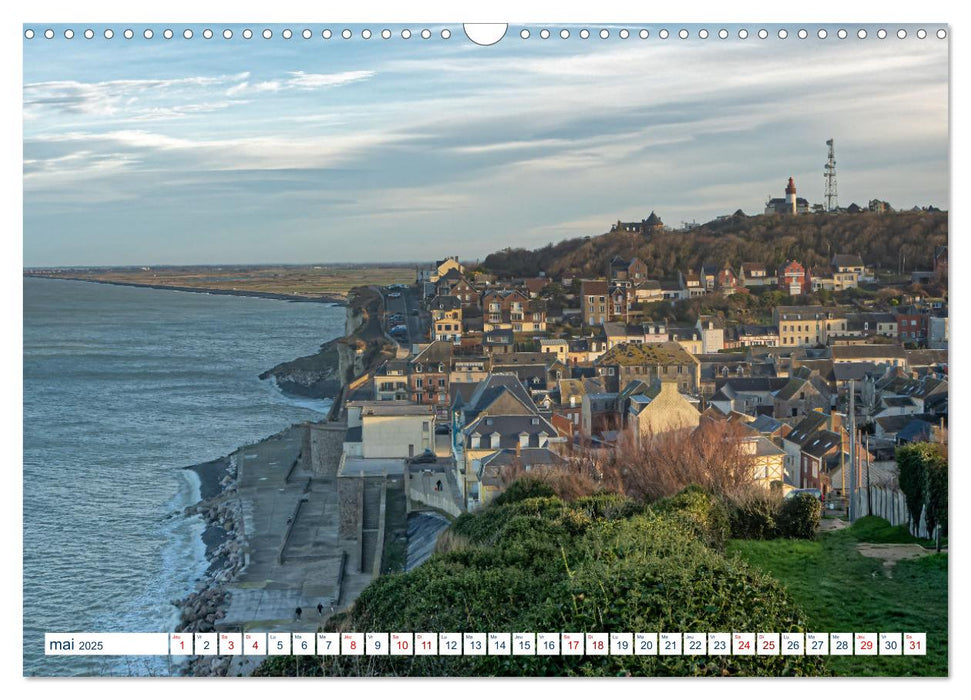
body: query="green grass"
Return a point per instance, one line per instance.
(840, 590)
(879, 531)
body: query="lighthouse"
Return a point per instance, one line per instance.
(791, 197)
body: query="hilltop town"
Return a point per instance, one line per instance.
(491, 371)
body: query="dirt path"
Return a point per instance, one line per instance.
(892, 553)
(831, 524)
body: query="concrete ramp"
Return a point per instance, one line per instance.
(423, 532)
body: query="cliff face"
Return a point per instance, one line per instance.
(316, 376)
(341, 360)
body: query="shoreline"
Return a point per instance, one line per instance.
(226, 543)
(321, 299)
(222, 536)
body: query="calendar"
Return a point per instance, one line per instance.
(572, 644)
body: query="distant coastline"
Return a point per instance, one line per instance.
(321, 299)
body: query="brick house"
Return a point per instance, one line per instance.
(594, 303)
(794, 278)
(428, 373)
(511, 309)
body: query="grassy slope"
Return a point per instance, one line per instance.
(840, 590)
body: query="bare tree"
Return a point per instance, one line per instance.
(712, 456)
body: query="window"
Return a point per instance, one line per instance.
(418, 383)
(424, 426)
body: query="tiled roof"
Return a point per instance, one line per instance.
(852, 352)
(591, 287)
(821, 443)
(631, 354)
(813, 422)
(847, 261)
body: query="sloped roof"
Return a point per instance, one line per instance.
(792, 387)
(524, 358)
(491, 388)
(916, 430)
(744, 385)
(632, 354)
(843, 260)
(805, 313)
(510, 426)
(926, 358)
(460, 393)
(862, 352)
(766, 448)
(570, 387)
(894, 424)
(445, 303)
(766, 424)
(845, 371)
(821, 443)
(898, 401)
(528, 456)
(591, 287)
(805, 428)
(438, 351)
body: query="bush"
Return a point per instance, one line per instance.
(595, 565)
(799, 516)
(705, 514)
(753, 516)
(523, 488)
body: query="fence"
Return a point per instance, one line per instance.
(890, 504)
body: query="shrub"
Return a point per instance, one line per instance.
(523, 488)
(799, 516)
(753, 515)
(705, 514)
(595, 565)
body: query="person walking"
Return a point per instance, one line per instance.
(320, 609)
(299, 611)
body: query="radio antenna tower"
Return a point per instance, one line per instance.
(829, 176)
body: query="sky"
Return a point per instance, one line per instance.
(154, 151)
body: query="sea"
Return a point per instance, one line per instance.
(123, 387)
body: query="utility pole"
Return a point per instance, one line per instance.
(852, 416)
(869, 496)
(842, 461)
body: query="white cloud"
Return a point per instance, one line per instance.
(302, 81)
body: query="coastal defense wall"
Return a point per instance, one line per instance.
(423, 491)
(350, 496)
(326, 443)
